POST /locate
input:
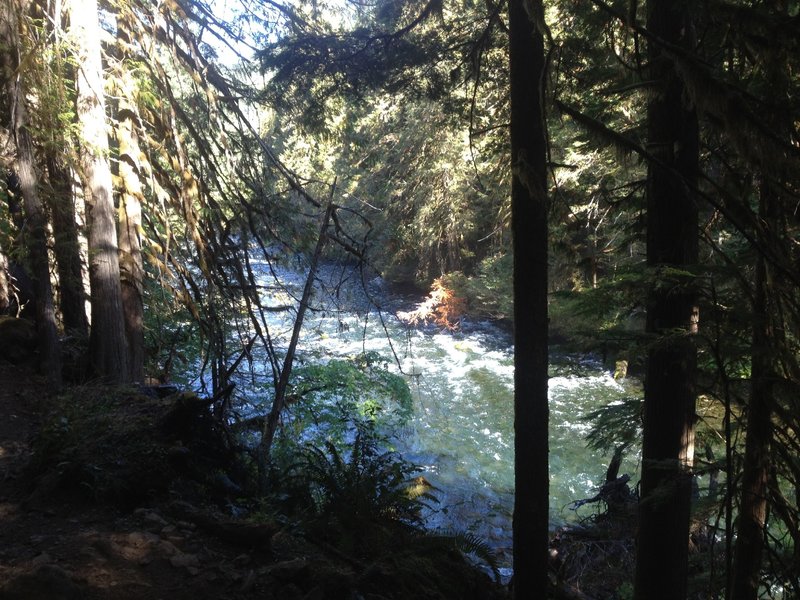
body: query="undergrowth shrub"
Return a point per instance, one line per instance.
(356, 495)
(116, 444)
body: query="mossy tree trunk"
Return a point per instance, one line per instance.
(35, 218)
(108, 347)
(130, 209)
(72, 298)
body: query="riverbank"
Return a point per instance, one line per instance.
(97, 526)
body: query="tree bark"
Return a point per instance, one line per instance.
(672, 318)
(108, 349)
(767, 343)
(35, 218)
(529, 230)
(72, 298)
(749, 546)
(130, 214)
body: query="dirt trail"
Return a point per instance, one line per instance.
(52, 549)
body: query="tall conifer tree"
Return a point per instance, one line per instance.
(672, 315)
(130, 204)
(769, 330)
(529, 227)
(107, 342)
(35, 217)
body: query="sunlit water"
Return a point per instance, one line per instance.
(462, 383)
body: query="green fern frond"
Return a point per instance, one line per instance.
(470, 544)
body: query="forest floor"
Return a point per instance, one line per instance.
(59, 546)
(56, 549)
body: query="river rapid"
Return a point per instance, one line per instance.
(461, 433)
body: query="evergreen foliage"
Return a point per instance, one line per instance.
(242, 129)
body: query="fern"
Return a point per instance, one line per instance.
(471, 545)
(366, 483)
(615, 425)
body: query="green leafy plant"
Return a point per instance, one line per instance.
(324, 399)
(366, 483)
(615, 425)
(471, 545)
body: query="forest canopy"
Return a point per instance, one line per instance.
(630, 191)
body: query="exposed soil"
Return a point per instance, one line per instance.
(52, 548)
(58, 546)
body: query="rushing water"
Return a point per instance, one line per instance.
(461, 433)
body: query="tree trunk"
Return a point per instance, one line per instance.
(529, 229)
(767, 344)
(108, 349)
(35, 219)
(755, 469)
(281, 385)
(4, 298)
(72, 298)
(672, 318)
(130, 213)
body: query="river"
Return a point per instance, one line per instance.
(461, 433)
